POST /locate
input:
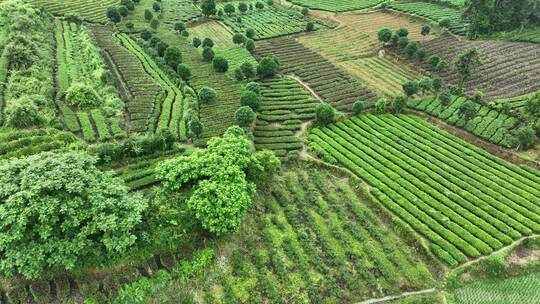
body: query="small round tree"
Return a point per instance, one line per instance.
(445, 98)
(238, 74)
(207, 95)
(268, 67)
(399, 103)
(146, 35)
(179, 26)
(254, 87)
(410, 88)
(207, 42)
(421, 54)
(60, 211)
(402, 32)
(123, 11)
(195, 128)
(384, 35)
(148, 15)
(248, 69)
(128, 4)
(259, 5)
(305, 11)
(425, 30)
(130, 26)
(229, 8)
(208, 7)
(220, 64)
(196, 42)
(208, 54)
(434, 60)
(242, 7)
(324, 114)
(161, 48)
(310, 26)
(411, 49)
(425, 84)
(238, 38)
(244, 116)
(468, 110)
(403, 42)
(184, 71)
(525, 137)
(154, 41)
(250, 99)
(445, 22)
(380, 106)
(154, 24)
(173, 56)
(113, 14)
(394, 40)
(250, 33)
(156, 7)
(250, 45)
(358, 107)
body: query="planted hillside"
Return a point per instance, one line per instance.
(465, 201)
(337, 5)
(88, 10)
(332, 84)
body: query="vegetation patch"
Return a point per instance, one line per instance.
(337, 5)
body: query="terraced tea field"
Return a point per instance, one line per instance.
(332, 84)
(515, 104)
(28, 142)
(89, 10)
(269, 22)
(433, 12)
(285, 106)
(179, 10)
(515, 290)
(508, 69)
(337, 5)
(311, 244)
(214, 30)
(466, 202)
(136, 85)
(489, 124)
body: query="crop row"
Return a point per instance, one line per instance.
(337, 5)
(434, 12)
(317, 240)
(28, 142)
(445, 190)
(489, 124)
(89, 10)
(285, 106)
(329, 82)
(168, 113)
(268, 22)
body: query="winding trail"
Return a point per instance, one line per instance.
(306, 86)
(403, 295)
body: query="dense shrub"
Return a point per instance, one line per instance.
(207, 95)
(248, 69)
(268, 67)
(238, 38)
(184, 71)
(250, 45)
(173, 56)
(83, 96)
(196, 42)
(358, 107)
(23, 113)
(244, 116)
(220, 64)
(254, 87)
(325, 114)
(208, 54)
(60, 211)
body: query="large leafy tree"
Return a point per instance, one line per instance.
(58, 210)
(223, 179)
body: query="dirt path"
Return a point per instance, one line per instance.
(306, 86)
(403, 295)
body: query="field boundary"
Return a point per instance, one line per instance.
(401, 296)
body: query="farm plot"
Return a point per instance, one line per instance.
(489, 124)
(516, 290)
(508, 69)
(337, 5)
(517, 104)
(89, 10)
(433, 12)
(216, 31)
(313, 240)
(285, 106)
(331, 83)
(179, 10)
(168, 111)
(78, 61)
(465, 201)
(269, 22)
(29, 142)
(136, 84)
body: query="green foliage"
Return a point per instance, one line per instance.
(60, 211)
(445, 98)
(425, 84)
(250, 99)
(399, 103)
(146, 34)
(525, 137)
(113, 14)
(358, 107)
(173, 56)
(154, 24)
(207, 42)
(229, 8)
(310, 26)
(410, 88)
(208, 54)
(244, 116)
(434, 60)
(380, 106)
(207, 95)
(123, 11)
(468, 110)
(421, 54)
(402, 32)
(238, 74)
(156, 6)
(179, 26)
(403, 42)
(250, 33)
(196, 42)
(325, 114)
(208, 7)
(250, 45)
(220, 64)
(23, 113)
(248, 69)
(161, 48)
(411, 49)
(268, 67)
(148, 15)
(254, 87)
(445, 22)
(184, 71)
(195, 128)
(466, 64)
(238, 38)
(83, 96)
(425, 30)
(221, 193)
(384, 35)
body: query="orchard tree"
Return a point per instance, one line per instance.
(254, 87)
(324, 114)
(238, 74)
(156, 7)
(179, 26)
(399, 103)
(525, 138)
(161, 48)
(403, 42)
(247, 69)
(445, 98)
(207, 95)
(441, 65)
(173, 56)
(468, 110)
(380, 106)
(477, 97)
(466, 64)
(195, 128)
(250, 33)
(421, 54)
(358, 107)
(259, 5)
(425, 30)
(434, 60)
(148, 15)
(146, 35)
(130, 25)
(229, 8)
(220, 64)
(242, 7)
(244, 116)
(268, 67)
(250, 45)
(411, 49)
(384, 35)
(128, 4)
(445, 22)
(310, 26)
(60, 211)
(208, 54)
(305, 11)
(196, 42)
(250, 99)
(238, 38)
(402, 32)
(207, 42)
(184, 71)
(208, 7)
(425, 84)
(23, 113)
(113, 14)
(410, 88)
(154, 24)
(123, 11)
